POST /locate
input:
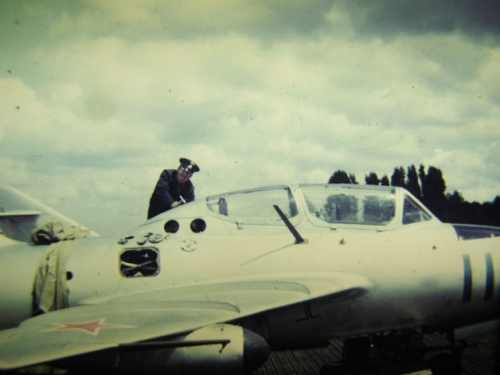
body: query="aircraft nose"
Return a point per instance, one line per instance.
(255, 350)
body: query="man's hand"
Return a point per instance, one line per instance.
(175, 204)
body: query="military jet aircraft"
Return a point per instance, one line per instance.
(212, 286)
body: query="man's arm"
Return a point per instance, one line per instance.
(162, 189)
(188, 194)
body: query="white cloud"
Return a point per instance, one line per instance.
(106, 105)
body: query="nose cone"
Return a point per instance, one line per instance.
(255, 350)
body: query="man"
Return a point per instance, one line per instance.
(173, 188)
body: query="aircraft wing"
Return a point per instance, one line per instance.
(20, 215)
(162, 313)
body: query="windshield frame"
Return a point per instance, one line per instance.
(220, 205)
(350, 190)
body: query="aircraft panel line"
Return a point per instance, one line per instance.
(467, 294)
(490, 276)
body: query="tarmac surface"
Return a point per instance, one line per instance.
(481, 357)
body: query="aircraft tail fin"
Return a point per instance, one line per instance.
(20, 215)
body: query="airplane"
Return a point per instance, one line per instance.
(215, 285)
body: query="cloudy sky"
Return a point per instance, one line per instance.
(97, 97)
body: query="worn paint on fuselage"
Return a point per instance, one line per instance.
(410, 276)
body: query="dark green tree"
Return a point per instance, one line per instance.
(412, 183)
(429, 186)
(398, 177)
(455, 208)
(495, 214)
(372, 179)
(490, 212)
(433, 192)
(341, 177)
(421, 175)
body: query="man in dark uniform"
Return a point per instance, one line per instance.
(173, 188)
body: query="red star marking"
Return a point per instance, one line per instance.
(92, 327)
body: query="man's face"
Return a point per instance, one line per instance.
(183, 175)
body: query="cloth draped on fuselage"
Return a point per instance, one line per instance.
(49, 290)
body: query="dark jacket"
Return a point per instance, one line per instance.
(167, 191)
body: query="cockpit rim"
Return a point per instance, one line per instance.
(297, 191)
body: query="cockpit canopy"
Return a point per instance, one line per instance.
(335, 204)
(324, 205)
(255, 206)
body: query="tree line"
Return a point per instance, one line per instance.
(429, 187)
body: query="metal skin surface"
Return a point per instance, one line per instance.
(209, 262)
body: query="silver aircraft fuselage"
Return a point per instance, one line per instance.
(370, 260)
